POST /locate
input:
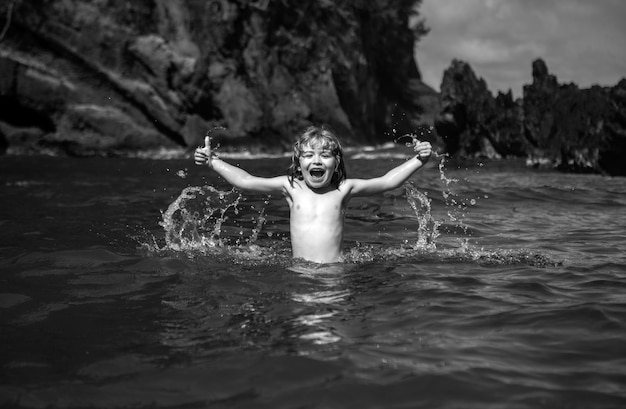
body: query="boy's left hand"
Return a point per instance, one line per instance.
(424, 150)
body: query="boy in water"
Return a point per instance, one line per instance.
(316, 189)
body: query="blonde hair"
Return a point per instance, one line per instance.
(318, 137)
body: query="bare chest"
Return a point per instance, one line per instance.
(314, 206)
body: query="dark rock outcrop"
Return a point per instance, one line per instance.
(93, 76)
(580, 130)
(474, 123)
(567, 125)
(612, 153)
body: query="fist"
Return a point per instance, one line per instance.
(424, 151)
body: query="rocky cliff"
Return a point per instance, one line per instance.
(94, 76)
(559, 125)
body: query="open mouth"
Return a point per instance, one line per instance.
(317, 173)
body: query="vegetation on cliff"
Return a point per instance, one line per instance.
(104, 76)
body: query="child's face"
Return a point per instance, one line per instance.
(317, 165)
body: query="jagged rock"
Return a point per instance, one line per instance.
(106, 76)
(567, 125)
(581, 130)
(450, 124)
(613, 152)
(474, 123)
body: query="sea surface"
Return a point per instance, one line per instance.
(149, 283)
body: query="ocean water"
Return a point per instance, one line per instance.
(140, 283)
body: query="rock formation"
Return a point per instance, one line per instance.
(580, 130)
(474, 123)
(86, 76)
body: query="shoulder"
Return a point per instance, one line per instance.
(284, 182)
(347, 183)
(363, 187)
(351, 184)
(347, 186)
(290, 184)
(272, 184)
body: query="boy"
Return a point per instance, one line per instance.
(316, 189)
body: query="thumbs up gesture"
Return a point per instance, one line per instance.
(203, 154)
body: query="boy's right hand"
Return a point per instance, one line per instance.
(424, 150)
(203, 154)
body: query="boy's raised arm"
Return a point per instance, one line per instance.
(395, 177)
(234, 175)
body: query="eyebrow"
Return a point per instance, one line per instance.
(321, 150)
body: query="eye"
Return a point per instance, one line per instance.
(307, 155)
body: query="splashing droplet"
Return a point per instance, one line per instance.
(427, 227)
(195, 218)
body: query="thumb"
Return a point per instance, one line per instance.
(207, 141)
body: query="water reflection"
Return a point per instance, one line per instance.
(330, 291)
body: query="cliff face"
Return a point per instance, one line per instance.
(580, 130)
(85, 76)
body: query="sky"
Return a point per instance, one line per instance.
(581, 41)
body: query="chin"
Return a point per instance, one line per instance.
(318, 184)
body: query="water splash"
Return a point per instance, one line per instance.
(427, 226)
(259, 225)
(456, 206)
(415, 139)
(195, 218)
(204, 221)
(195, 224)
